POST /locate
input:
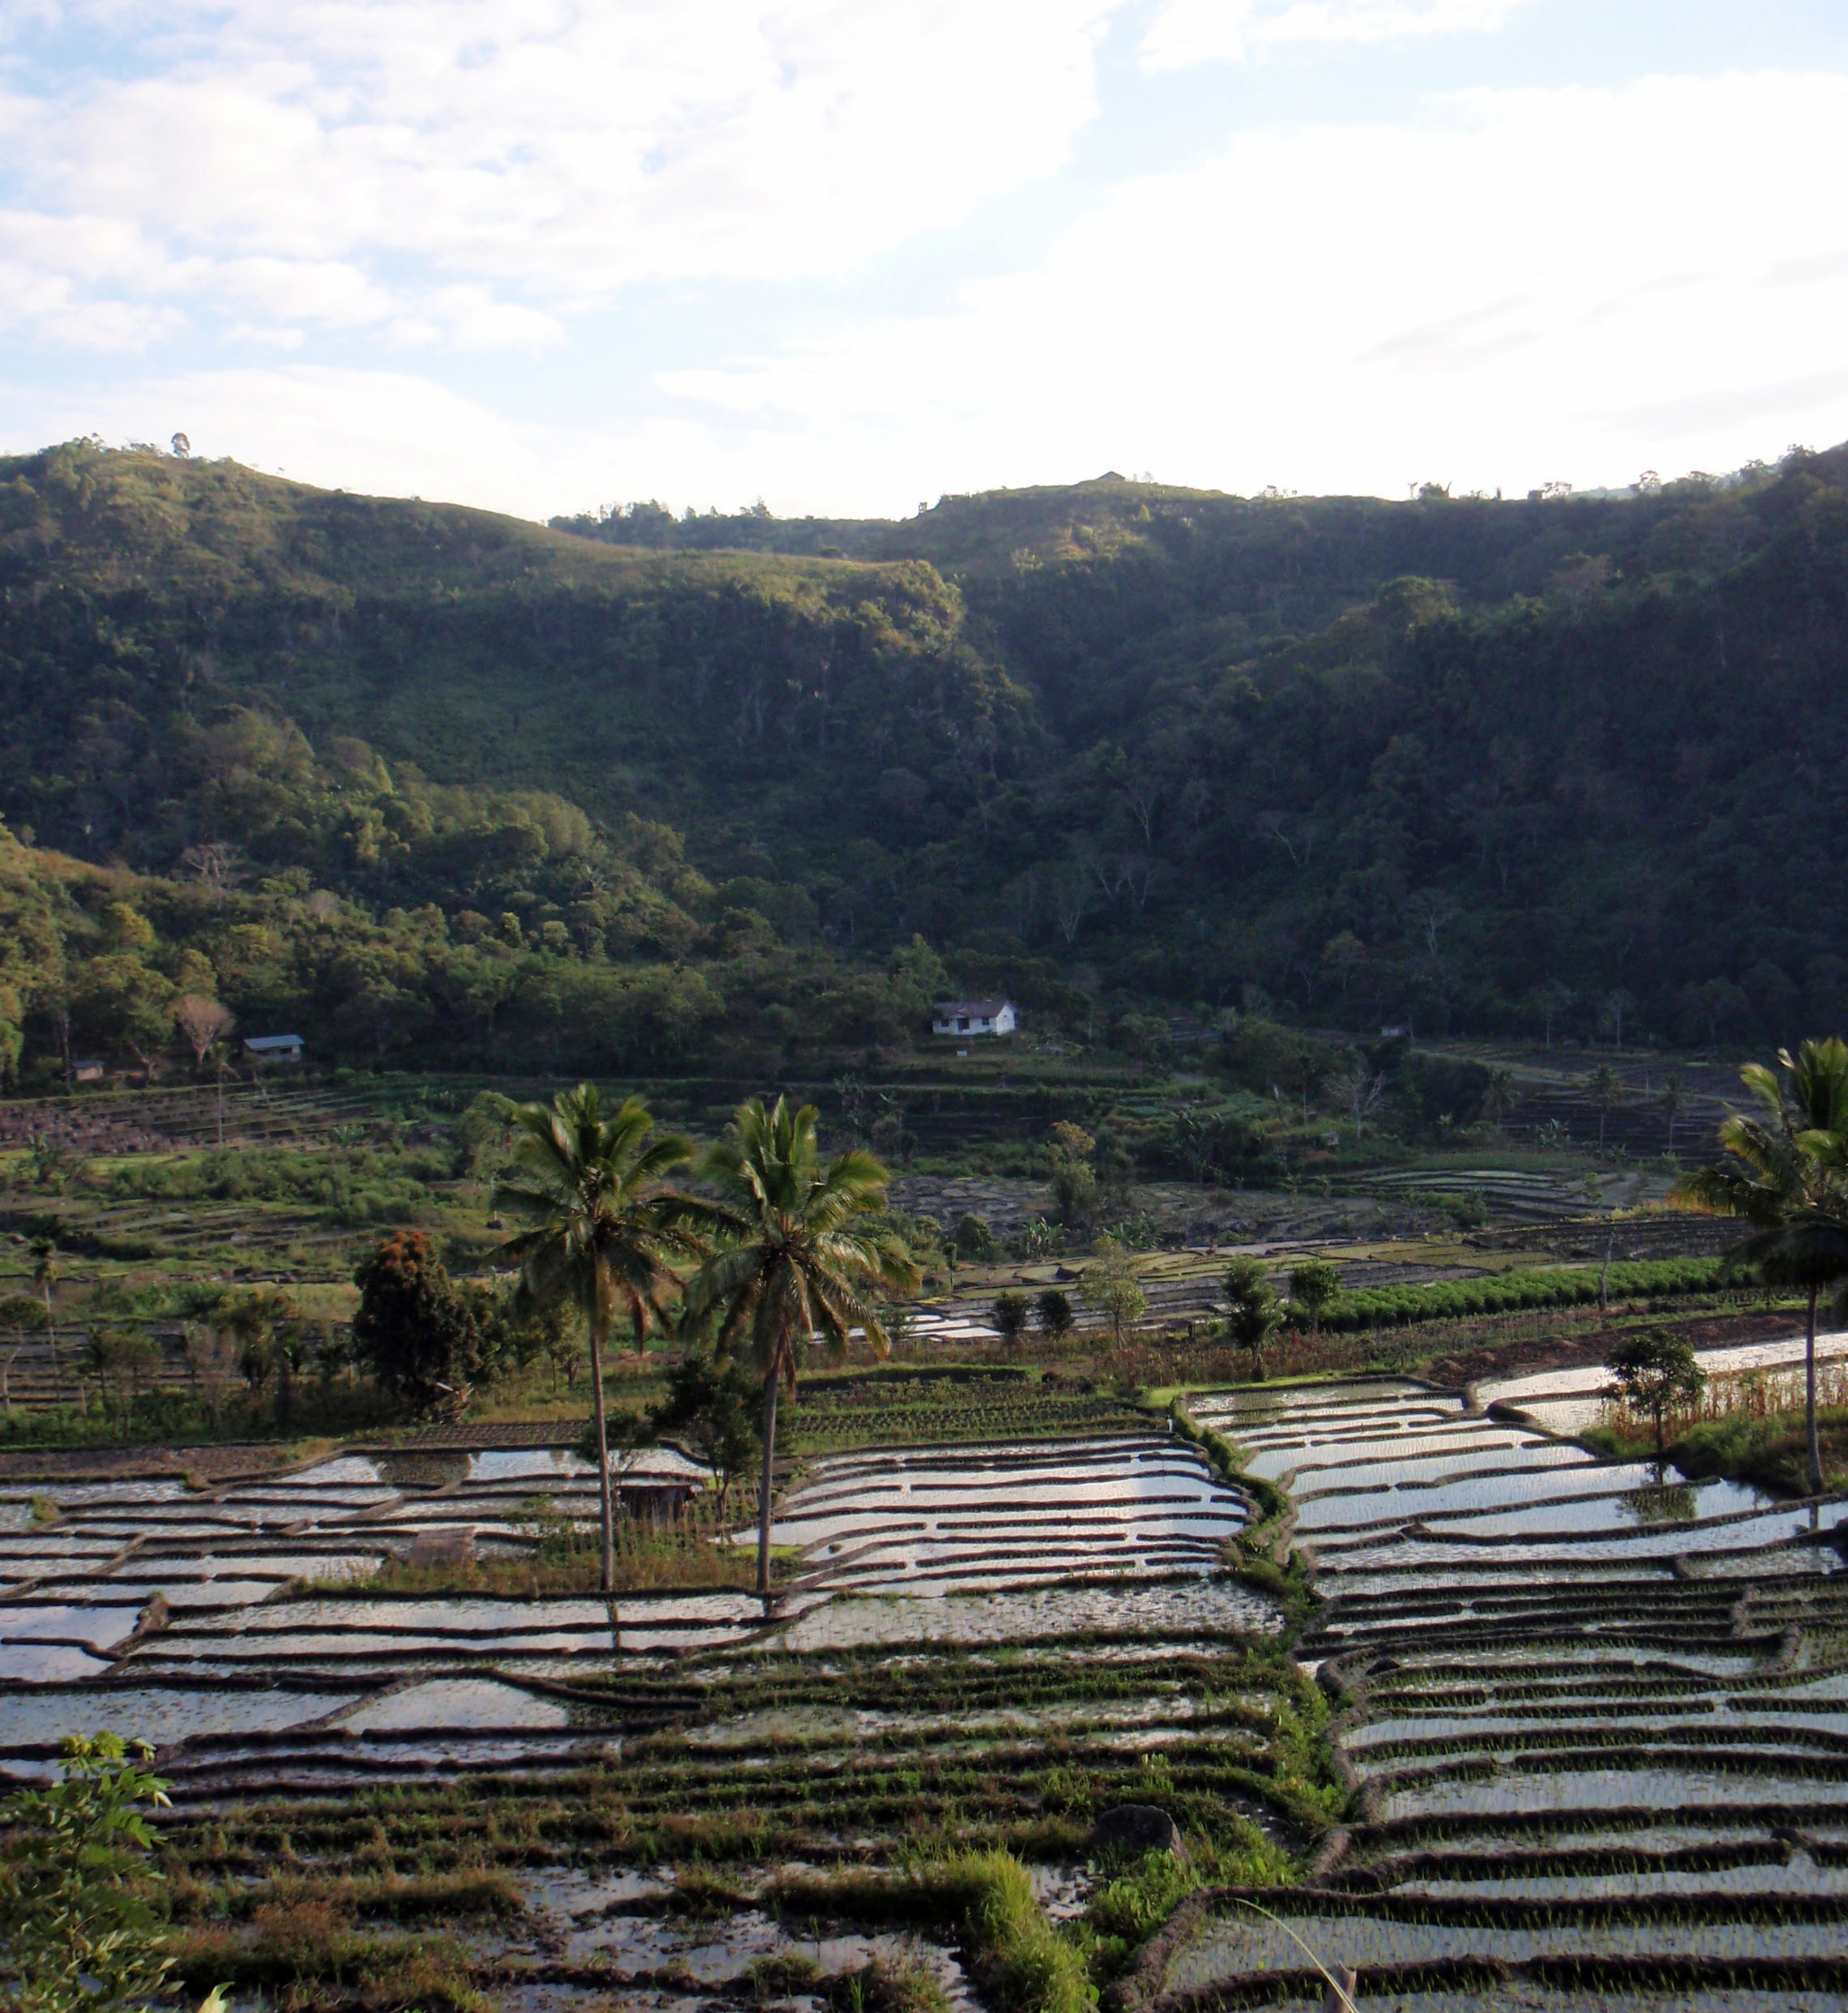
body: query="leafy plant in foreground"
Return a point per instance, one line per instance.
(76, 1932)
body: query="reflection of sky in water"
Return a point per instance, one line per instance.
(157, 1714)
(447, 1701)
(924, 1520)
(1242, 1945)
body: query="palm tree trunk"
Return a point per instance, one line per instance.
(763, 1503)
(1809, 1398)
(605, 1504)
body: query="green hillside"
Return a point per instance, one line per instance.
(437, 783)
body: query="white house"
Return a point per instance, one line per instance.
(283, 1048)
(973, 1017)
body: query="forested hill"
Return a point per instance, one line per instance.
(439, 783)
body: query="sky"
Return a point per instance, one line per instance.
(847, 256)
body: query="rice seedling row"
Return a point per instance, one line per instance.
(1540, 1660)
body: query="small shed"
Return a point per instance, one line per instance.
(281, 1048)
(90, 1072)
(973, 1017)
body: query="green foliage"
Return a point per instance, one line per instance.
(1110, 1285)
(79, 1932)
(1254, 1313)
(1653, 1372)
(1052, 1308)
(711, 1407)
(1022, 1966)
(419, 1335)
(1069, 1168)
(796, 1244)
(974, 1240)
(602, 1231)
(1312, 1285)
(1009, 1314)
(1570, 1286)
(1296, 775)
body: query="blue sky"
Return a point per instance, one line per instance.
(849, 254)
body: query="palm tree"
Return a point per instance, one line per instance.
(1783, 1177)
(792, 1257)
(603, 1230)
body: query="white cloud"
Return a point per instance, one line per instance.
(385, 432)
(1189, 31)
(541, 155)
(1529, 285)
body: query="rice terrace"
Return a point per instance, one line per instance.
(1269, 1600)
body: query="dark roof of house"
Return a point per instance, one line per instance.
(272, 1042)
(976, 1009)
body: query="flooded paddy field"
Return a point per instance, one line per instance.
(561, 1801)
(1594, 1721)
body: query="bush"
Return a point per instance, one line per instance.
(975, 1239)
(1010, 1316)
(69, 1917)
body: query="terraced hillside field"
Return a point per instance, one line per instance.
(1595, 1725)
(549, 1801)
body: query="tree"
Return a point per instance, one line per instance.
(215, 865)
(1653, 1374)
(120, 1356)
(796, 1245)
(1499, 1096)
(1605, 1087)
(206, 1026)
(17, 1311)
(1255, 1314)
(1009, 1315)
(259, 1321)
(1784, 1175)
(209, 1365)
(44, 1277)
(1359, 1091)
(1068, 1167)
(1615, 1004)
(973, 1239)
(1312, 1285)
(1053, 1310)
(1674, 1100)
(417, 1334)
(1342, 956)
(75, 1928)
(1110, 1285)
(604, 1232)
(203, 1022)
(1433, 911)
(1553, 1002)
(708, 1407)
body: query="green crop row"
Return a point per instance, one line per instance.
(1570, 1286)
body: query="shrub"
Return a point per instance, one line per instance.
(974, 1239)
(71, 1918)
(1009, 1315)
(1053, 1310)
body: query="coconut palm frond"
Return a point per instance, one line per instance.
(601, 1228)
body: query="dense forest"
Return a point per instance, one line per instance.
(643, 792)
